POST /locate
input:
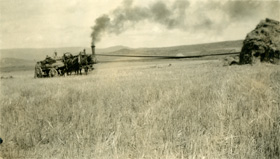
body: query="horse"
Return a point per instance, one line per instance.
(71, 64)
(77, 63)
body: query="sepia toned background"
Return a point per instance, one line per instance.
(64, 23)
(167, 83)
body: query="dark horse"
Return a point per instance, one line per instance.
(77, 63)
(71, 63)
(85, 62)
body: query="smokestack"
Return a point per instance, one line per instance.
(93, 57)
(93, 49)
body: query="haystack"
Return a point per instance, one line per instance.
(262, 44)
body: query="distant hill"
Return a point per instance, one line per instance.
(185, 50)
(177, 51)
(7, 62)
(111, 49)
(15, 64)
(25, 59)
(12, 59)
(38, 54)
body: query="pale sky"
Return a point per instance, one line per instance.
(67, 23)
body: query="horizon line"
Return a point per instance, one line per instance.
(116, 45)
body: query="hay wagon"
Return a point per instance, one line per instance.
(49, 67)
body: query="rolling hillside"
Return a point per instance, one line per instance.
(39, 54)
(15, 64)
(186, 50)
(175, 51)
(21, 59)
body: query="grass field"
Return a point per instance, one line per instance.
(164, 109)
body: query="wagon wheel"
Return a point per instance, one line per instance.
(53, 72)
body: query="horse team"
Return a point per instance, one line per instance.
(77, 63)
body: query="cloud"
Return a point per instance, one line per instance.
(127, 15)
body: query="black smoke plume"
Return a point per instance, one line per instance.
(183, 15)
(128, 15)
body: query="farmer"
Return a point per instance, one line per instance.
(38, 70)
(55, 57)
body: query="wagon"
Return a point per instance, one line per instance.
(49, 68)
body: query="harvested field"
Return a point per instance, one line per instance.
(159, 109)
